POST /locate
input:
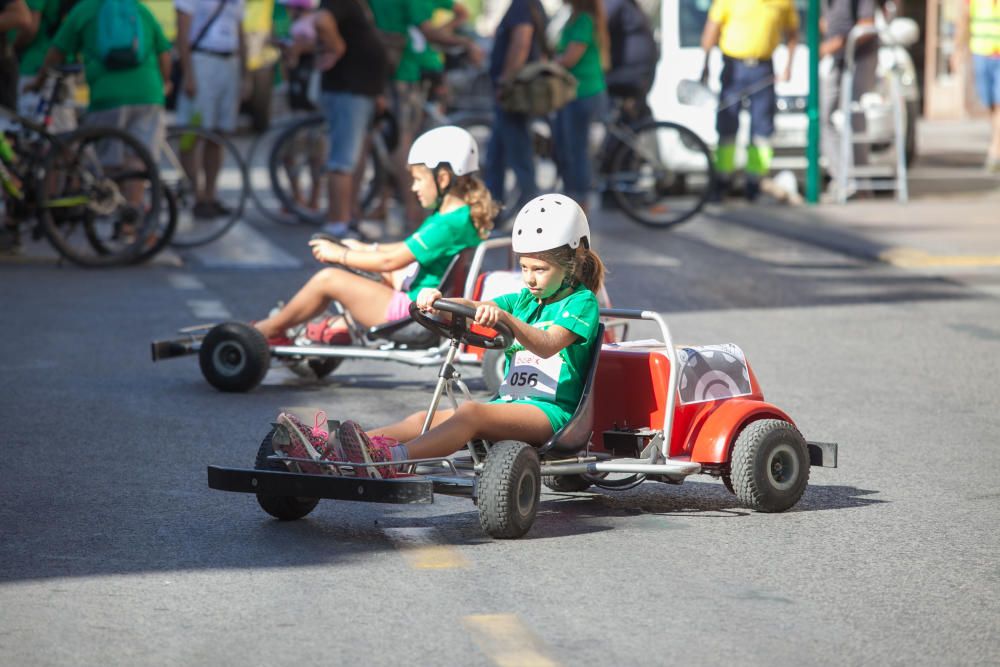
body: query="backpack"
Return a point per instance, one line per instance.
(538, 89)
(120, 43)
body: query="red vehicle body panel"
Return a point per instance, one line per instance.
(630, 391)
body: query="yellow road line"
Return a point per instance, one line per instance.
(911, 258)
(507, 641)
(420, 549)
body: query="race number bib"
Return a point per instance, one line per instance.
(530, 376)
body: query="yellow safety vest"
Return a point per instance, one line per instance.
(984, 27)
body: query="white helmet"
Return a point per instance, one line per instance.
(548, 222)
(449, 144)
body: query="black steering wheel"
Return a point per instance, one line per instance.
(371, 275)
(462, 326)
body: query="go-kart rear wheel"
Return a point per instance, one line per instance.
(234, 357)
(286, 508)
(567, 483)
(494, 362)
(509, 488)
(315, 368)
(770, 465)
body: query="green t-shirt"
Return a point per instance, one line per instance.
(436, 242)
(114, 88)
(554, 384)
(587, 70)
(431, 60)
(398, 16)
(33, 56)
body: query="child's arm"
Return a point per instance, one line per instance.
(543, 342)
(386, 258)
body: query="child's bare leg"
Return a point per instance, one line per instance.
(490, 421)
(366, 300)
(409, 428)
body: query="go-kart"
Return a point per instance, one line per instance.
(235, 357)
(648, 412)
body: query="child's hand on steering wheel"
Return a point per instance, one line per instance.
(327, 251)
(426, 298)
(487, 314)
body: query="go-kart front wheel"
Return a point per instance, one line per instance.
(234, 357)
(286, 508)
(509, 488)
(770, 465)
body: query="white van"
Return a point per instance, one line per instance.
(681, 57)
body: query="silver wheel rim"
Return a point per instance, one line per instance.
(783, 467)
(229, 358)
(525, 494)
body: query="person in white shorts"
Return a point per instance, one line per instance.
(212, 51)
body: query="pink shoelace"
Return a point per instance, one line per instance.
(319, 421)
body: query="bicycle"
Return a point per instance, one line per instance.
(659, 173)
(295, 164)
(92, 214)
(180, 161)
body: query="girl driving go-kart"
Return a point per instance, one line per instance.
(554, 320)
(443, 163)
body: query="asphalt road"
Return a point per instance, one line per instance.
(113, 551)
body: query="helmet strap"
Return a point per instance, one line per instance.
(441, 192)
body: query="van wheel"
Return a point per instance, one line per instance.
(508, 489)
(770, 465)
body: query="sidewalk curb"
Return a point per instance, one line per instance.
(807, 227)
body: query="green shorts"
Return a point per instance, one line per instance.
(557, 415)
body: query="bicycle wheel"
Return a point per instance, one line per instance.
(99, 197)
(158, 240)
(182, 169)
(296, 169)
(660, 173)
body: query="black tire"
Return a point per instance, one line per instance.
(660, 174)
(323, 367)
(81, 206)
(494, 362)
(195, 231)
(285, 508)
(315, 368)
(234, 357)
(567, 483)
(727, 481)
(509, 488)
(770, 465)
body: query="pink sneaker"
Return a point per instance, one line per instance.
(359, 448)
(329, 331)
(304, 442)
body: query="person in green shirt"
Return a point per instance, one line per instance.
(412, 19)
(444, 165)
(32, 44)
(584, 50)
(130, 98)
(555, 322)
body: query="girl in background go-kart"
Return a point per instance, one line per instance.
(443, 163)
(554, 320)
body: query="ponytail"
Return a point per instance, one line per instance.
(590, 269)
(583, 266)
(482, 209)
